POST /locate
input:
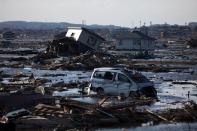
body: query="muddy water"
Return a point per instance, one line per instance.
(67, 92)
(170, 95)
(54, 75)
(173, 95)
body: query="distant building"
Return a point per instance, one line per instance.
(169, 31)
(8, 35)
(192, 25)
(85, 36)
(143, 30)
(134, 41)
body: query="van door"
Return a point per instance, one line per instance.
(124, 84)
(104, 80)
(109, 83)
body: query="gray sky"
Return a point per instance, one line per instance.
(117, 12)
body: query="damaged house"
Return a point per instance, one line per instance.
(134, 41)
(77, 40)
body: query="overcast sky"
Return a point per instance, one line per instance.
(118, 12)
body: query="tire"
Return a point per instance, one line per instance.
(149, 92)
(76, 115)
(134, 94)
(122, 96)
(100, 91)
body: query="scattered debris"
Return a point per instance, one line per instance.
(94, 59)
(30, 77)
(185, 82)
(17, 114)
(192, 43)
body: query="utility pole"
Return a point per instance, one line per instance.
(140, 23)
(83, 22)
(150, 23)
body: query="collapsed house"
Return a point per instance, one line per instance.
(77, 40)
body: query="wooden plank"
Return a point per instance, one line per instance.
(158, 116)
(103, 100)
(105, 113)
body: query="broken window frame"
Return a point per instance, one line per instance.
(72, 34)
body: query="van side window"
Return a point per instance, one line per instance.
(108, 76)
(123, 78)
(104, 75)
(99, 74)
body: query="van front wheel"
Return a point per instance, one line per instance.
(100, 91)
(149, 92)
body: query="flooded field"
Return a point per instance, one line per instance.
(52, 85)
(172, 87)
(54, 76)
(93, 65)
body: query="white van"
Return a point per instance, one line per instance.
(117, 81)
